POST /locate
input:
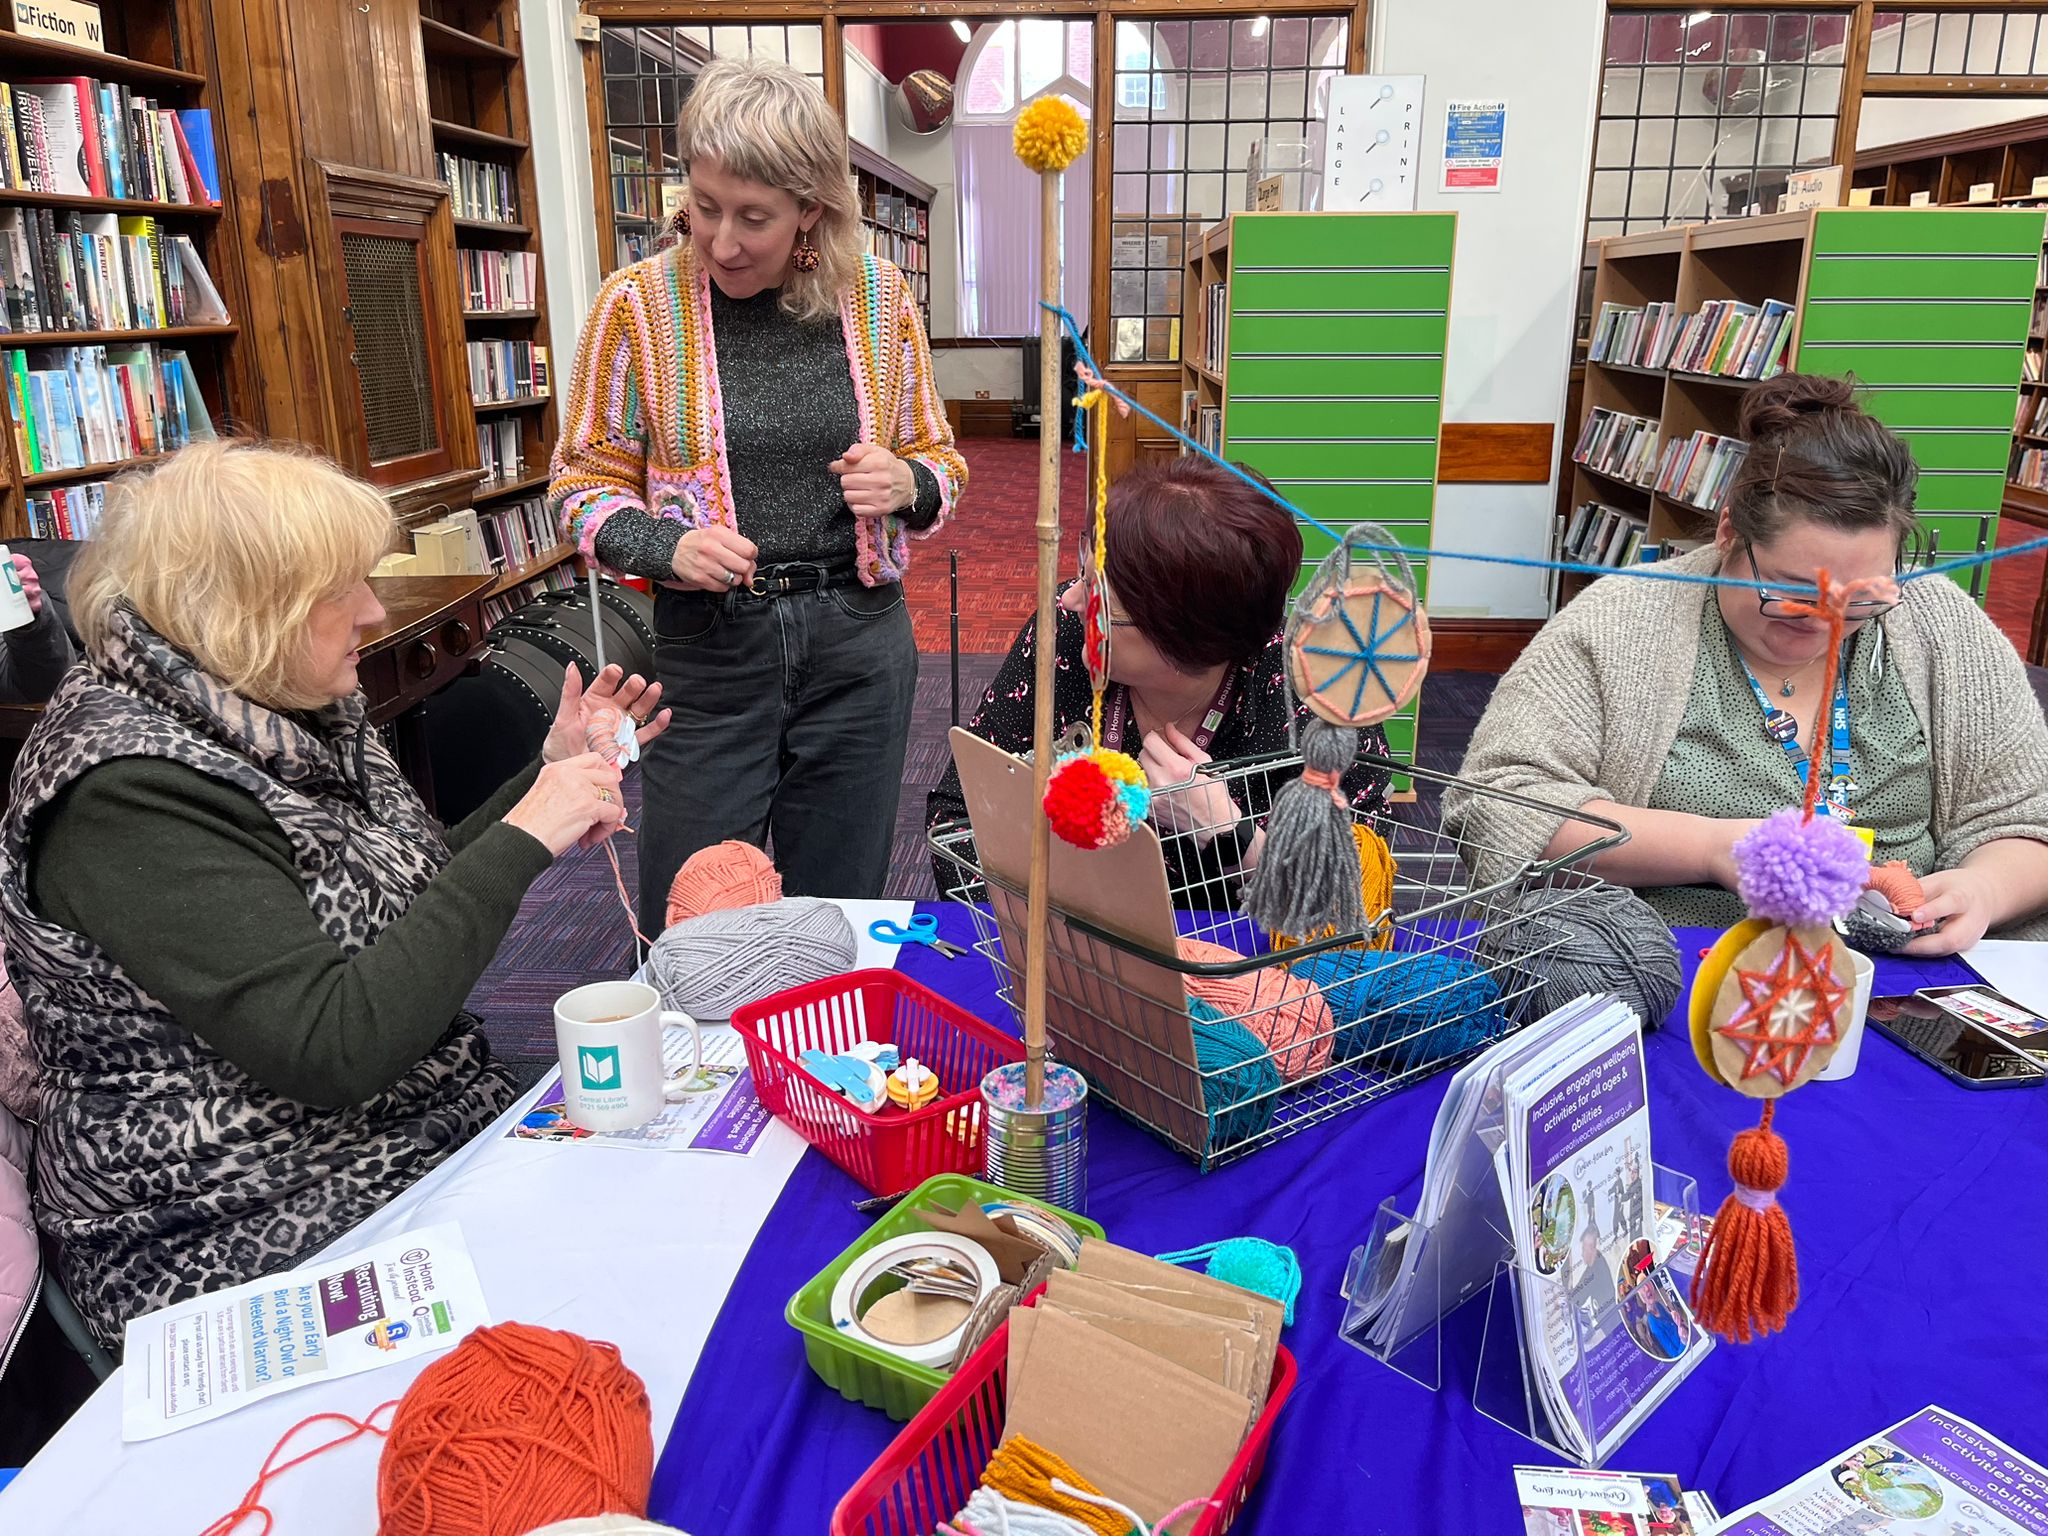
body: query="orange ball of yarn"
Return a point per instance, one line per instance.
(1897, 884)
(728, 874)
(1282, 1009)
(516, 1427)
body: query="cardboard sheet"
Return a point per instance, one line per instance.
(1173, 1286)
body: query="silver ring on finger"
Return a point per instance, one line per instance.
(732, 578)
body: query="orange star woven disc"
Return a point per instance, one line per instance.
(1778, 1017)
(1361, 651)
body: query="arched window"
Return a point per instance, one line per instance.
(1008, 64)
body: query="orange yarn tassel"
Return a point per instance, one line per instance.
(1748, 1280)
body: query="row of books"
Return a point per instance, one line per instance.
(895, 210)
(500, 608)
(629, 186)
(67, 511)
(907, 253)
(2031, 363)
(1209, 428)
(76, 137)
(2032, 415)
(2030, 469)
(1696, 470)
(506, 370)
(1724, 338)
(500, 448)
(499, 279)
(1215, 325)
(1602, 535)
(519, 534)
(481, 190)
(76, 406)
(99, 272)
(1618, 444)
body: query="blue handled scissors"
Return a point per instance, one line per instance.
(922, 929)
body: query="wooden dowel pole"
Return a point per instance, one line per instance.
(1051, 401)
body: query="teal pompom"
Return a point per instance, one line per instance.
(1239, 1076)
(1250, 1263)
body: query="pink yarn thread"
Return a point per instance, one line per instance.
(1281, 1008)
(725, 875)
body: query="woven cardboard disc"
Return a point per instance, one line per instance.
(1706, 987)
(1359, 652)
(1780, 1010)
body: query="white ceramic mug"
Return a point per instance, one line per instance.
(1846, 1054)
(608, 1035)
(14, 609)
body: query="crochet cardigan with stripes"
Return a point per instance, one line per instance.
(644, 425)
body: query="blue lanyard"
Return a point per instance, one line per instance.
(1782, 728)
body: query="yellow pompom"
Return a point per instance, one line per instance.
(1120, 766)
(1050, 134)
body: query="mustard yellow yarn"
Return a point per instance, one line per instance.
(1375, 884)
(1050, 134)
(1025, 1471)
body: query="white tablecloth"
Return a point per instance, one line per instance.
(635, 1247)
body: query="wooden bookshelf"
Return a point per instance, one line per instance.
(2011, 156)
(1935, 343)
(1352, 310)
(148, 51)
(477, 109)
(896, 219)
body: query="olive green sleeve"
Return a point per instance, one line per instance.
(189, 885)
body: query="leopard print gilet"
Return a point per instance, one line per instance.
(162, 1170)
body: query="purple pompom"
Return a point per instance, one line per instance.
(1801, 873)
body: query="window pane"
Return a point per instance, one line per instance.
(1290, 42)
(1127, 194)
(1133, 48)
(1615, 143)
(1610, 194)
(1625, 32)
(1621, 92)
(1289, 95)
(1208, 96)
(729, 42)
(1248, 95)
(1039, 56)
(807, 49)
(1170, 44)
(1133, 96)
(1660, 92)
(1205, 197)
(1081, 51)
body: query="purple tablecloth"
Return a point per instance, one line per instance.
(1916, 1204)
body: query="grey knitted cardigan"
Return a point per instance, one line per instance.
(1590, 710)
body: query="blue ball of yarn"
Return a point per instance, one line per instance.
(1239, 1076)
(1417, 1009)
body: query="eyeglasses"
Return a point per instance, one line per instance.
(1774, 605)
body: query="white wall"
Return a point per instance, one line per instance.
(867, 103)
(1515, 276)
(567, 216)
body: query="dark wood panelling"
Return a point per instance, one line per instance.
(1478, 645)
(1495, 452)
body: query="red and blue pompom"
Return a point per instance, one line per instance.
(1094, 798)
(1799, 872)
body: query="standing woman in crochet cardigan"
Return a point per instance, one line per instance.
(1682, 711)
(753, 424)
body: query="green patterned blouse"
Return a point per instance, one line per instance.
(1723, 765)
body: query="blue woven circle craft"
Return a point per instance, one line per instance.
(1239, 1076)
(1413, 1009)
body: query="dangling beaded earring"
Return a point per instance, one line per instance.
(805, 257)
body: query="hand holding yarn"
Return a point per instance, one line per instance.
(714, 559)
(1184, 799)
(633, 696)
(873, 480)
(1964, 901)
(574, 803)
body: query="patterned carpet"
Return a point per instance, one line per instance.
(572, 929)
(2016, 583)
(994, 535)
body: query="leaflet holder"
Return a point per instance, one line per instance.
(1461, 1307)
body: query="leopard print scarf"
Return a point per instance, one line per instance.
(163, 1171)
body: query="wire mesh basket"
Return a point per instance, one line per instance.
(1443, 970)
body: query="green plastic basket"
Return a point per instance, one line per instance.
(860, 1371)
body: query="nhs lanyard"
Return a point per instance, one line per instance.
(1782, 728)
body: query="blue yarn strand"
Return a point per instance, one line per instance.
(1239, 1076)
(1520, 562)
(1251, 1264)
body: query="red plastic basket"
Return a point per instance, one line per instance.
(936, 1460)
(895, 1150)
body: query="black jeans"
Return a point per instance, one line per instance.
(792, 716)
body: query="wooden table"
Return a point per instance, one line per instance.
(433, 633)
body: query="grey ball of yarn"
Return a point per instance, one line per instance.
(708, 966)
(1595, 939)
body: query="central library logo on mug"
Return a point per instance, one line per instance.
(599, 1067)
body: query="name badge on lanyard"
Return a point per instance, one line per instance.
(1780, 726)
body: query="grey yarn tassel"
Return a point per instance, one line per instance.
(1308, 877)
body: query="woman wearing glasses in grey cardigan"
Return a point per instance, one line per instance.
(1685, 712)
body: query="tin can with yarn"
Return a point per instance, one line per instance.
(1041, 1151)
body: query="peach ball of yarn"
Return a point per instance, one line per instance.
(725, 875)
(516, 1426)
(1896, 883)
(1282, 1009)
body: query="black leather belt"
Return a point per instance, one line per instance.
(796, 576)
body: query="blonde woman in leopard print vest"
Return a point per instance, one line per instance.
(242, 942)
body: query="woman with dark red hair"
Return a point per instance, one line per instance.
(1198, 567)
